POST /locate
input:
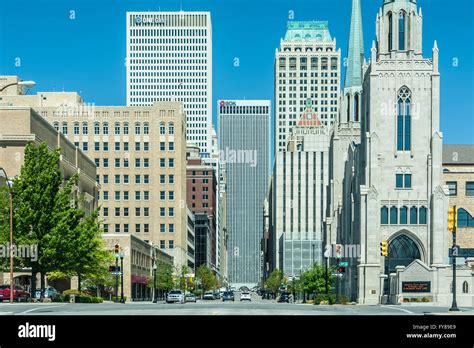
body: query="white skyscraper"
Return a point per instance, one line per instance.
(169, 58)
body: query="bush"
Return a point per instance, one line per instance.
(59, 298)
(425, 299)
(118, 300)
(324, 299)
(406, 300)
(413, 299)
(343, 299)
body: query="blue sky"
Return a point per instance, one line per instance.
(86, 54)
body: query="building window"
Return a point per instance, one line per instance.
(146, 228)
(85, 146)
(138, 179)
(85, 128)
(453, 188)
(117, 163)
(125, 179)
(162, 195)
(403, 181)
(146, 146)
(171, 195)
(465, 287)
(106, 228)
(117, 146)
(171, 128)
(106, 162)
(117, 195)
(403, 215)
(137, 212)
(404, 120)
(162, 228)
(137, 146)
(162, 179)
(162, 146)
(413, 215)
(125, 163)
(146, 128)
(106, 146)
(137, 128)
(76, 128)
(171, 146)
(464, 219)
(422, 217)
(64, 128)
(171, 162)
(162, 129)
(393, 216)
(125, 212)
(470, 188)
(146, 179)
(171, 212)
(146, 163)
(137, 195)
(162, 244)
(171, 228)
(106, 212)
(106, 178)
(162, 211)
(125, 146)
(137, 228)
(117, 212)
(171, 179)
(146, 211)
(125, 128)
(106, 195)
(125, 228)
(171, 244)
(162, 162)
(146, 195)
(96, 128)
(137, 163)
(105, 128)
(390, 31)
(117, 128)
(401, 31)
(125, 196)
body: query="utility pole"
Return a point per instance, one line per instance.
(452, 224)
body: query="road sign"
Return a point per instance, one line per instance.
(343, 264)
(455, 250)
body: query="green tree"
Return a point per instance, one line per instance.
(164, 277)
(313, 281)
(274, 281)
(182, 281)
(205, 278)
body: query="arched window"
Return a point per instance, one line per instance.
(393, 215)
(137, 128)
(348, 107)
(404, 120)
(356, 108)
(403, 215)
(384, 216)
(171, 128)
(56, 126)
(422, 220)
(64, 128)
(76, 128)
(96, 128)
(117, 128)
(105, 128)
(162, 129)
(146, 128)
(401, 252)
(413, 215)
(465, 287)
(390, 31)
(125, 128)
(464, 218)
(85, 128)
(401, 31)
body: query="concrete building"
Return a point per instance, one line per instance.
(140, 154)
(396, 188)
(300, 188)
(201, 185)
(203, 233)
(244, 147)
(458, 175)
(21, 125)
(137, 264)
(307, 65)
(169, 58)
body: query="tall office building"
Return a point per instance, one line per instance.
(306, 66)
(244, 139)
(169, 58)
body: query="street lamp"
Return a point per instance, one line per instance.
(116, 254)
(154, 281)
(121, 254)
(27, 84)
(3, 173)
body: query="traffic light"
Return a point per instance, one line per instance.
(116, 248)
(384, 248)
(342, 269)
(452, 223)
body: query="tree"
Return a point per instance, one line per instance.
(205, 278)
(274, 281)
(164, 277)
(182, 281)
(314, 279)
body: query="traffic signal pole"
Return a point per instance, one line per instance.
(454, 305)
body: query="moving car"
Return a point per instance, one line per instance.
(49, 292)
(175, 296)
(228, 296)
(284, 297)
(190, 298)
(209, 295)
(245, 296)
(19, 294)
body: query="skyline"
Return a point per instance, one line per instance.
(58, 57)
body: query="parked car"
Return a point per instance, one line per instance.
(190, 298)
(217, 295)
(228, 296)
(284, 297)
(19, 294)
(245, 296)
(175, 296)
(209, 295)
(49, 292)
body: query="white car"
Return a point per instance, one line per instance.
(247, 296)
(175, 296)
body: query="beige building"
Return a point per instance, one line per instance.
(21, 125)
(140, 153)
(458, 175)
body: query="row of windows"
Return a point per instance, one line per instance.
(138, 212)
(118, 179)
(138, 162)
(243, 110)
(118, 128)
(399, 216)
(307, 48)
(314, 63)
(118, 228)
(453, 188)
(138, 195)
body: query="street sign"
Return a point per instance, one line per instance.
(343, 264)
(455, 250)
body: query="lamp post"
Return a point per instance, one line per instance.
(27, 84)
(454, 304)
(121, 254)
(116, 277)
(154, 276)
(10, 190)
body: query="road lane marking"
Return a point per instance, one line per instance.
(42, 307)
(399, 309)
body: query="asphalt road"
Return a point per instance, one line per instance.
(217, 307)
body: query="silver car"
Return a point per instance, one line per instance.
(175, 296)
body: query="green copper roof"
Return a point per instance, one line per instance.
(307, 30)
(355, 55)
(389, 1)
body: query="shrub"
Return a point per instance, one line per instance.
(59, 298)
(343, 299)
(406, 300)
(118, 300)
(425, 299)
(413, 299)
(324, 299)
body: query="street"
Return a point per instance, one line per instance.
(216, 307)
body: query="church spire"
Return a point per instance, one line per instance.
(355, 54)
